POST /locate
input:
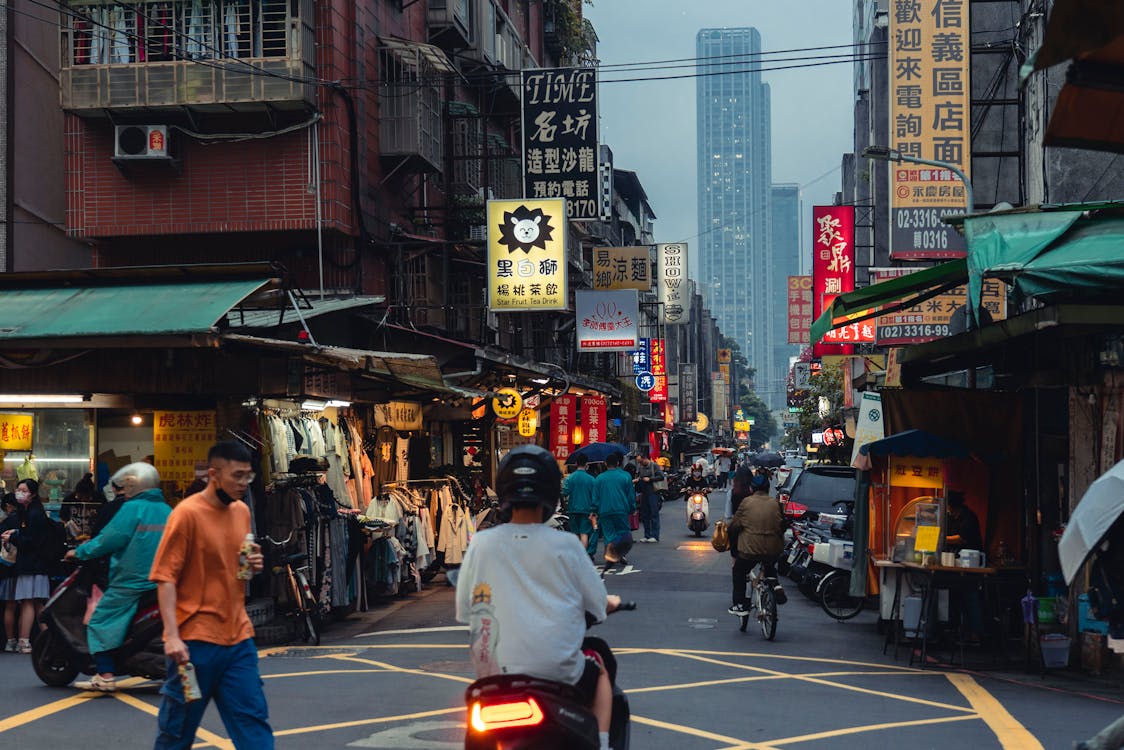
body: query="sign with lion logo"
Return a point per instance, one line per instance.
(527, 255)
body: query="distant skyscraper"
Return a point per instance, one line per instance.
(784, 252)
(734, 183)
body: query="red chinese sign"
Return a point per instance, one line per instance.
(833, 270)
(658, 395)
(563, 416)
(593, 418)
(799, 309)
(15, 432)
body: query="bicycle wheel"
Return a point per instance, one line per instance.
(836, 597)
(767, 612)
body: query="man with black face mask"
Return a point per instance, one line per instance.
(202, 601)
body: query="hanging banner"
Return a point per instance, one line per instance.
(16, 432)
(563, 416)
(182, 440)
(641, 358)
(671, 283)
(930, 110)
(799, 309)
(607, 321)
(719, 403)
(527, 256)
(560, 138)
(622, 268)
(404, 416)
(833, 268)
(931, 319)
(870, 426)
(593, 418)
(658, 394)
(528, 422)
(688, 392)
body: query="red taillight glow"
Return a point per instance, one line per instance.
(524, 713)
(811, 549)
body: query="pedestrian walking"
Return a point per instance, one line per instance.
(199, 571)
(130, 540)
(647, 474)
(613, 500)
(722, 471)
(578, 491)
(27, 531)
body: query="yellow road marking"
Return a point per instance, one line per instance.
(1011, 734)
(840, 662)
(286, 650)
(39, 712)
(758, 678)
(363, 722)
(697, 733)
(405, 670)
(210, 739)
(855, 730)
(803, 678)
(323, 672)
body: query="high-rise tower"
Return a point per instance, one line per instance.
(734, 184)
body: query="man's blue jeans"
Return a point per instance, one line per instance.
(650, 514)
(229, 676)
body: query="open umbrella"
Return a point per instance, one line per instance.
(768, 459)
(1099, 508)
(595, 452)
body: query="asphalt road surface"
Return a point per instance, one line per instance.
(693, 681)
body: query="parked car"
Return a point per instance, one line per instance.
(822, 488)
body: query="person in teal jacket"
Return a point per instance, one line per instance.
(614, 497)
(130, 539)
(578, 491)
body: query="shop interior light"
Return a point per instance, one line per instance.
(540, 381)
(334, 403)
(311, 405)
(579, 435)
(47, 460)
(39, 398)
(137, 419)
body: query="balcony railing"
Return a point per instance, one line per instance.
(452, 22)
(410, 124)
(187, 52)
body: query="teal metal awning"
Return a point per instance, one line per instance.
(114, 310)
(890, 296)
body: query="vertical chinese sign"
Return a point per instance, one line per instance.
(593, 419)
(833, 269)
(182, 440)
(560, 138)
(688, 392)
(641, 357)
(799, 309)
(527, 256)
(622, 268)
(658, 395)
(672, 287)
(930, 118)
(563, 417)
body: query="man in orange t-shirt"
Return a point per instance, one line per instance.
(202, 602)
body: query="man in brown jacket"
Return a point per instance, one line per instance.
(758, 527)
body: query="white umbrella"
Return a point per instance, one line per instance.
(1098, 510)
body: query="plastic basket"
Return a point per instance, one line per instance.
(1055, 650)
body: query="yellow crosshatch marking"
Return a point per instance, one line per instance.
(982, 706)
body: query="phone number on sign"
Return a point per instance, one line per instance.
(921, 331)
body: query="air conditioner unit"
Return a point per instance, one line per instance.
(141, 142)
(485, 193)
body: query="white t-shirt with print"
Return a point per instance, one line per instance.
(524, 590)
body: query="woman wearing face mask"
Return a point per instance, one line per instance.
(30, 587)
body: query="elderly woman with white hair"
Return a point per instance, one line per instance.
(130, 539)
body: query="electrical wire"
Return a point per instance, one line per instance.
(739, 55)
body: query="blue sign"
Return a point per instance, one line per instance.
(645, 381)
(642, 358)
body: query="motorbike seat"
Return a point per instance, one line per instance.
(501, 684)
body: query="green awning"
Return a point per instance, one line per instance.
(890, 296)
(175, 308)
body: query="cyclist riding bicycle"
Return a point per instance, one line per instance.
(758, 528)
(526, 589)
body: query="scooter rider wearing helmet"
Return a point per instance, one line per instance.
(525, 589)
(696, 482)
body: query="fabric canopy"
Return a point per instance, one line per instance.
(915, 443)
(183, 307)
(888, 296)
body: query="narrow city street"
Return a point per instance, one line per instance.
(693, 680)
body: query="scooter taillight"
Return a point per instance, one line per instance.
(492, 716)
(811, 549)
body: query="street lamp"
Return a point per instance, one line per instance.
(884, 153)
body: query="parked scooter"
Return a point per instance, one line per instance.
(519, 712)
(60, 653)
(698, 511)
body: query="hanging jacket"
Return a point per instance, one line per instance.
(131, 539)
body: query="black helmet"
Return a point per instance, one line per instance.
(529, 475)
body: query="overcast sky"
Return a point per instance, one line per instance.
(650, 126)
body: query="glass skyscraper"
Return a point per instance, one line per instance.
(734, 186)
(784, 254)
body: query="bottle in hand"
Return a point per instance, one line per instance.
(244, 572)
